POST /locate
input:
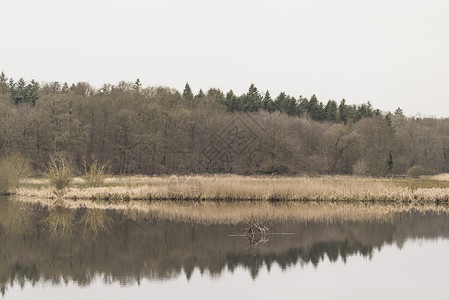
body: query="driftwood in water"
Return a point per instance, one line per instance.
(256, 232)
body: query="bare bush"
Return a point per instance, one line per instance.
(13, 168)
(94, 173)
(59, 172)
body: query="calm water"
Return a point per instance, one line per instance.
(68, 254)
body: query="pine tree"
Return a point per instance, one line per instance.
(343, 111)
(3, 83)
(19, 91)
(3, 78)
(268, 103)
(137, 85)
(315, 109)
(364, 110)
(32, 92)
(187, 93)
(302, 106)
(200, 94)
(330, 111)
(231, 101)
(286, 104)
(399, 112)
(251, 101)
(65, 88)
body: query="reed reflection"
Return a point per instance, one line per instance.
(60, 219)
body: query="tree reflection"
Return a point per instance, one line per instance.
(95, 220)
(123, 247)
(60, 219)
(15, 218)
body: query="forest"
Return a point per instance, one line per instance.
(160, 130)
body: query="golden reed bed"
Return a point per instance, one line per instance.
(239, 188)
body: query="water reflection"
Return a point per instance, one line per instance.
(60, 219)
(57, 244)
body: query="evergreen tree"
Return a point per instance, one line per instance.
(19, 91)
(302, 106)
(286, 104)
(330, 111)
(343, 111)
(399, 112)
(65, 88)
(137, 85)
(315, 109)
(251, 101)
(32, 92)
(268, 103)
(187, 93)
(200, 94)
(3, 78)
(3, 83)
(231, 102)
(364, 110)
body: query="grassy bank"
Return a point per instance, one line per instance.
(248, 188)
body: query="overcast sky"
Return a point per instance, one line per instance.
(393, 53)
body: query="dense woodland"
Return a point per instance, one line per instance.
(159, 130)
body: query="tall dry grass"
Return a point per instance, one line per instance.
(254, 188)
(442, 177)
(13, 169)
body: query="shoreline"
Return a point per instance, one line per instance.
(228, 188)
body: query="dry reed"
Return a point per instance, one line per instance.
(441, 177)
(246, 188)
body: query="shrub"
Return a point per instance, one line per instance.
(13, 168)
(416, 170)
(94, 174)
(59, 172)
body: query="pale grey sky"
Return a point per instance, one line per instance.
(392, 53)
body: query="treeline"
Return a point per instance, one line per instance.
(252, 101)
(158, 130)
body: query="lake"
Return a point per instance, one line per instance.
(58, 252)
